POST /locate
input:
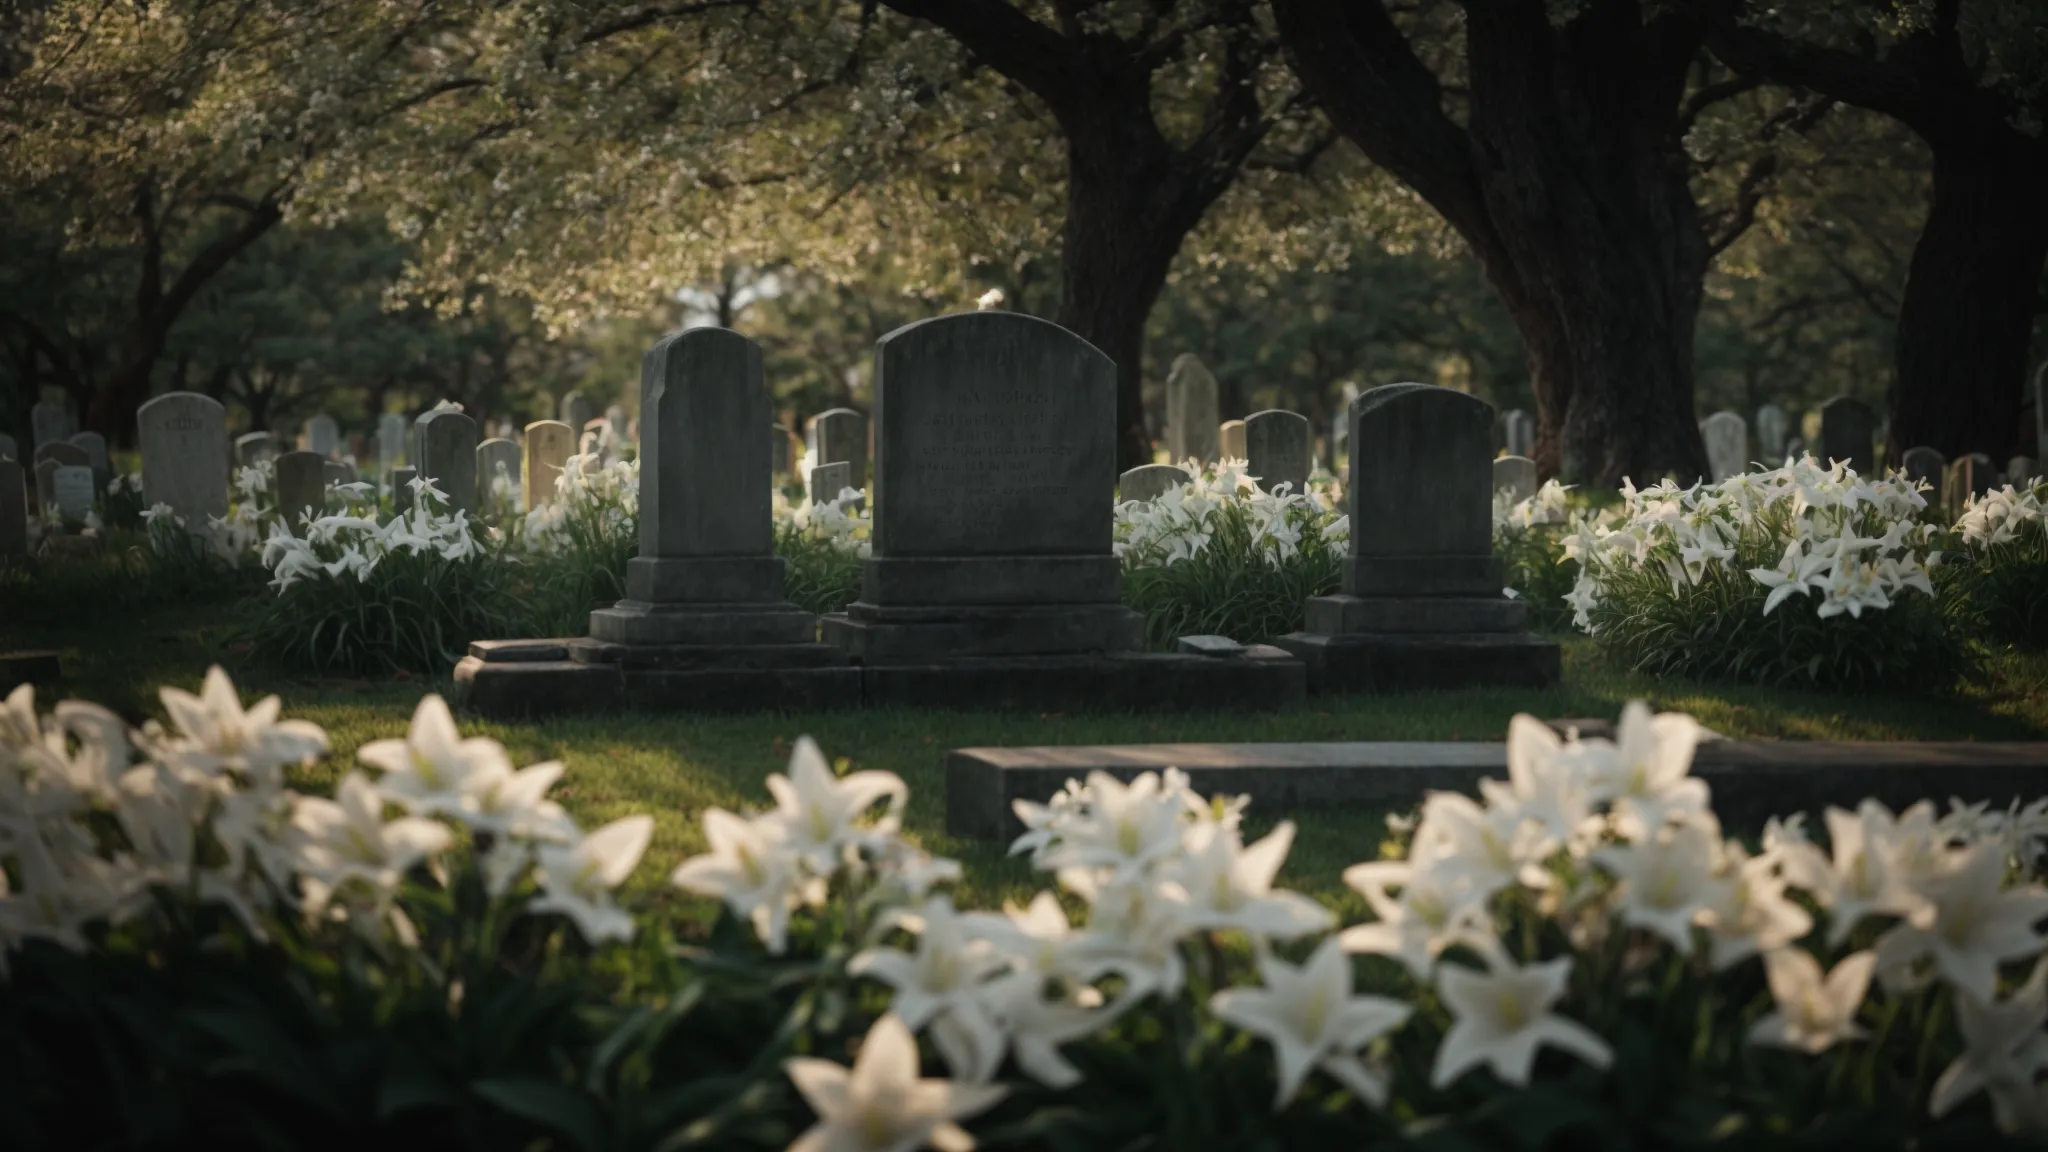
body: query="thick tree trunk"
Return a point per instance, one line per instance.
(1971, 293)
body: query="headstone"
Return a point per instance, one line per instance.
(1727, 440)
(1772, 430)
(1516, 474)
(1190, 411)
(338, 472)
(495, 456)
(1923, 463)
(1848, 431)
(401, 488)
(300, 485)
(1276, 444)
(1230, 443)
(322, 435)
(826, 481)
(253, 448)
(50, 457)
(578, 410)
(95, 446)
(1149, 482)
(549, 444)
(2021, 471)
(1421, 603)
(447, 441)
(71, 490)
(13, 509)
(840, 434)
(778, 453)
(391, 429)
(184, 440)
(49, 422)
(1518, 432)
(9, 450)
(995, 467)
(615, 419)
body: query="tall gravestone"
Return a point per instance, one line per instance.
(447, 443)
(1421, 604)
(13, 509)
(839, 434)
(577, 410)
(1848, 432)
(95, 446)
(1230, 443)
(323, 436)
(9, 450)
(184, 441)
(49, 422)
(1515, 475)
(1518, 432)
(253, 448)
(1190, 411)
(1276, 446)
(549, 444)
(1926, 464)
(1727, 440)
(300, 486)
(1772, 429)
(494, 458)
(1149, 482)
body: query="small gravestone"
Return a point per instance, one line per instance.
(1276, 445)
(1230, 440)
(323, 436)
(447, 442)
(253, 448)
(1190, 411)
(1421, 604)
(1727, 440)
(1518, 432)
(1848, 432)
(1516, 475)
(401, 488)
(71, 490)
(49, 458)
(549, 444)
(1149, 482)
(13, 509)
(840, 434)
(1772, 428)
(49, 422)
(1929, 465)
(95, 446)
(184, 441)
(497, 457)
(2021, 471)
(63, 452)
(300, 486)
(8, 449)
(391, 428)
(827, 481)
(577, 410)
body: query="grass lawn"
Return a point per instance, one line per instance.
(674, 766)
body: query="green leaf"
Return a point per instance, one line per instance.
(547, 1103)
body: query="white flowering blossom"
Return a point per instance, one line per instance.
(1185, 521)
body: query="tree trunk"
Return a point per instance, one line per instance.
(1972, 289)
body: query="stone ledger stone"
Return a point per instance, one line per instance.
(184, 441)
(1277, 448)
(1190, 411)
(13, 509)
(1848, 431)
(1151, 481)
(447, 442)
(827, 481)
(549, 444)
(1421, 604)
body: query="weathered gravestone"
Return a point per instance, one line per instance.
(1926, 464)
(1421, 604)
(447, 444)
(401, 489)
(1190, 411)
(1772, 429)
(1518, 432)
(1276, 445)
(13, 509)
(300, 486)
(253, 448)
(1149, 482)
(49, 458)
(827, 481)
(184, 440)
(49, 422)
(1516, 475)
(71, 490)
(705, 624)
(1848, 432)
(9, 450)
(95, 446)
(495, 458)
(992, 580)
(1230, 443)
(390, 441)
(1727, 440)
(839, 434)
(323, 436)
(577, 410)
(549, 444)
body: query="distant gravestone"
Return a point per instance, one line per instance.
(401, 488)
(1230, 443)
(253, 448)
(300, 485)
(615, 419)
(390, 441)
(496, 457)
(338, 472)
(2020, 471)
(13, 509)
(1727, 440)
(71, 490)
(49, 458)
(1149, 482)
(9, 450)
(323, 436)
(95, 446)
(184, 440)
(447, 442)
(1928, 464)
(827, 481)
(778, 452)
(1276, 445)
(577, 410)
(549, 444)
(1516, 475)
(49, 422)
(1190, 411)
(1518, 432)
(1848, 432)
(840, 434)
(1772, 430)
(1340, 433)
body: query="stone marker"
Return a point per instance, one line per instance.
(577, 410)
(1848, 431)
(338, 472)
(9, 450)
(447, 443)
(71, 490)
(300, 486)
(184, 440)
(95, 446)
(49, 422)
(1518, 432)
(494, 457)
(1517, 474)
(778, 453)
(1276, 444)
(50, 457)
(1230, 443)
(1421, 604)
(322, 435)
(1727, 440)
(1927, 464)
(615, 420)
(1190, 411)
(2020, 471)
(401, 488)
(1772, 428)
(1149, 482)
(839, 434)
(826, 481)
(13, 509)
(391, 428)
(253, 448)
(549, 444)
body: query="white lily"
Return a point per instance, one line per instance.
(577, 880)
(1222, 884)
(434, 770)
(1312, 1020)
(882, 1105)
(752, 869)
(1436, 908)
(819, 811)
(944, 974)
(1666, 883)
(1976, 925)
(347, 839)
(1502, 1016)
(1648, 780)
(218, 733)
(2004, 1051)
(1125, 828)
(1814, 1012)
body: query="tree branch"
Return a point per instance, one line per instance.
(1012, 43)
(1709, 95)
(1851, 78)
(1749, 192)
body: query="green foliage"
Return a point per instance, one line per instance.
(414, 611)
(823, 576)
(1534, 564)
(134, 572)
(1236, 585)
(2001, 590)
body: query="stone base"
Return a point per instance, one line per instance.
(703, 625)
(705, 579)
(508, 678)
(1348, 615)
(1478, 575)
(874, 634)
(920, 581)
(1263, 680)
(1394, 662)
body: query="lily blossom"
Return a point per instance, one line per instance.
(1312, 1020)
(882, 1105)
(1503, 1015)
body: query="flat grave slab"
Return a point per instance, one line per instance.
(1751, 780)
